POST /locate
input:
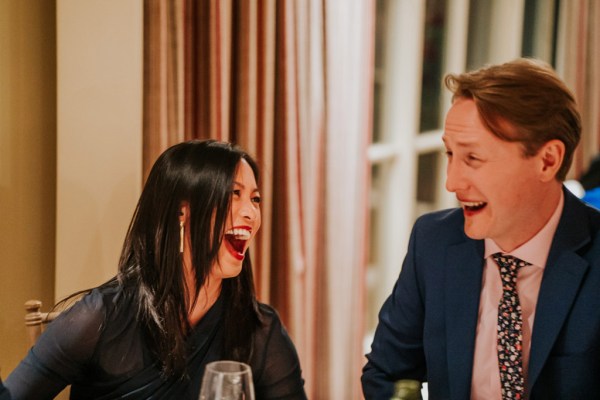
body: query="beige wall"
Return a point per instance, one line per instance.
(27, 166)
(70, 149)
(99, 62)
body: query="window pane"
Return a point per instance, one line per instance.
(375, 210)
(478, 48)
(540, 30)
(375, 270)
(433, 56)
(379, 66)
(427, 180)
(377, 101)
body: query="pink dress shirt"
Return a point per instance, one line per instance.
(485, 384)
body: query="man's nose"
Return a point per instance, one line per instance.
(455, 178)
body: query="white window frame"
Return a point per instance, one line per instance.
(397, 154)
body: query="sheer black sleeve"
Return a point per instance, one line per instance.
(4, 395)
(276, 362)
(60, 355)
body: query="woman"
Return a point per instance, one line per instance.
(4, 395)
(183, 296)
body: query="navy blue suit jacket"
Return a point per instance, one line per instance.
(427, 326)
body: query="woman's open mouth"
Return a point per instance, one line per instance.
(235, 241)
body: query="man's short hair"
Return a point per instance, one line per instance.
(523, 101)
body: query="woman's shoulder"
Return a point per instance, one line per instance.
(271, 325)
(86, 312)
(267, 310)
(75, 333)
(275, 359)
(268, 315)
(89, 314)
(95, 302)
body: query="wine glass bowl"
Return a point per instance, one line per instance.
(227, 380)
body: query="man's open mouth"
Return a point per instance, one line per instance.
(473, 205)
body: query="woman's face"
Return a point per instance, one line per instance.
(241, 225)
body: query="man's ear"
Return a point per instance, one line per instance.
(551, 155)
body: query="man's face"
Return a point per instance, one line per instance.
(498, 188)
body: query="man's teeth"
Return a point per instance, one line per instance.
(473, 204)
(240, 234)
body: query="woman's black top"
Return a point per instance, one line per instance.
(96, 346)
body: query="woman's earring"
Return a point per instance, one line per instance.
(181, 236)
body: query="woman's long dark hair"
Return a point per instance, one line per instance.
(199, 173)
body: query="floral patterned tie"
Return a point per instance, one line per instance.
(510, 332)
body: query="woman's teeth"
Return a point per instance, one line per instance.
(240, 234)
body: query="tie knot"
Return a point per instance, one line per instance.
(508, 264)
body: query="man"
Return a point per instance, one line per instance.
(456, 318)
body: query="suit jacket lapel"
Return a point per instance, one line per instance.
(463, 286)
(562, 278)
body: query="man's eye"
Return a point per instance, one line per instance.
(256, 199)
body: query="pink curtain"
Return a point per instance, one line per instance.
(579, 62)
(163, 78)
(290, 81)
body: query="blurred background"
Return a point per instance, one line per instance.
(340, 101)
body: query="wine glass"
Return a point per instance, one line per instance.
(227, 380)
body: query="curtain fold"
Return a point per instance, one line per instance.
(254, 104)
(578, 60)
(349, 38)
(163, 95)
(290, 81)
